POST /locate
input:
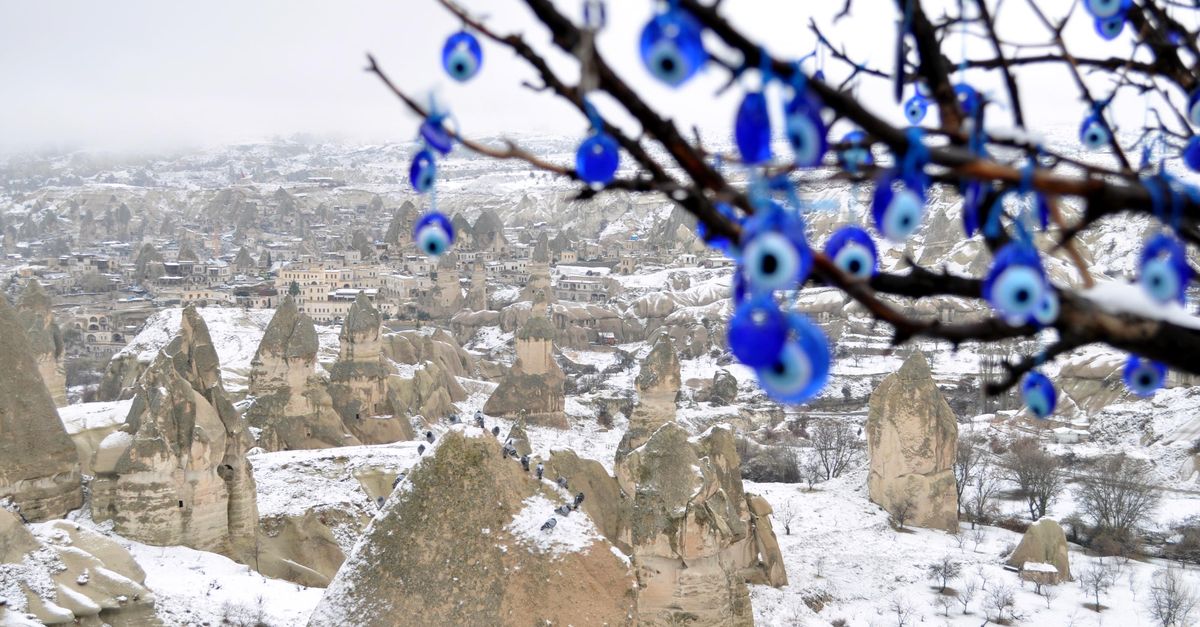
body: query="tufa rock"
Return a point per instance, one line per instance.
(534, 384)
(292, 408)
(911, 438)
(45, 339)
(63, 573)
(1044, 542)
(657, 383)
(437, 553)
(358, 381)
(176, 472)
(39, 470)
(695, 539)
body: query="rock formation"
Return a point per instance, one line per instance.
(358, 381)
(39, 470)
(445, 298)
(535, 382)
(1044, 543)
(431, 388)
(435, 553)
(477, 296)
(912, 436)
(292, 408)
(657, 383)
(68, 574)
(45, 339)
(537, 289)
(696, 538)
(518, 438)
(176, 472)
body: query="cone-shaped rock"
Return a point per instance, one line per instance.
(534, 384)
(438, 555)
(176, 472)
(696, 537)
(912, 436)
(39, 469)
(657, 384)
(1044, 543)
(358, 381)
(292, 408)
(45, 339)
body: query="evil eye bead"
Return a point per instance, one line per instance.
(968, 99)
(1109, 28)
(434, 132)
(1144, 377)
(1093, 134)
(806, 131)
(1047, 311)
(671, 48)
(972, 194)
(423, 171)
(721, 243)
(853, 252)
(1191, 154)
(1039, 394)
(461, 56)
(775, 254)
(757, 331)
(898, 209)
(597, 159)
(434, 234)
(915, 108)
(1164, 271)
(1106, 8)
(1194, 108)
(857, 154)
(1041, 207)
(752, 129)
(801, 368)
(1015, 284)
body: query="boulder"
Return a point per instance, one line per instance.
(657, 383)
(63, 573)
(45, 339)
(435, 553)
(724, 388)
(912, 436)
(39, 470)
(431, 388)
(176, 471)
(292, 408)
(89, 423)
(518, 438)
(358, 381)
(604, 502)
(1044, 543)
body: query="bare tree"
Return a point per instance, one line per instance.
(944, 570)
(813, 471)
(1036, 474)
(1048, 593)
(967, 461)
(1118, 497)
(944, 603)
(981, 500)
(786, 514)
(1172, 600)
(1096, 581)
(836, 445)
(965, 593)
(901, 507)
(903, 610)
(999, 599)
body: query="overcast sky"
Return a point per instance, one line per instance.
(146, 74)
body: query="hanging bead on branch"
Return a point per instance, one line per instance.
(462, 57)
(801, 368)
(1164, 270)
(1143, 377)
(671, 47)
(1039, 394)
(434, 234)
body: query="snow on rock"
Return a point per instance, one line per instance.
(1116, 297)
(235, 333)
(196, 588)
(89, 416)
(571, 534)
